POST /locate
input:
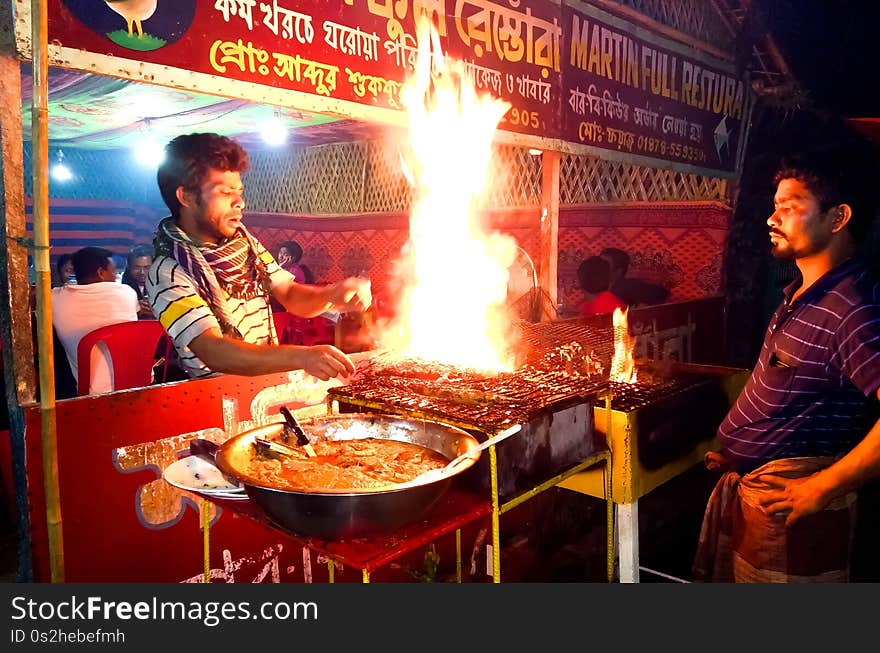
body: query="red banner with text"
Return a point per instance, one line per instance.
(571, 72)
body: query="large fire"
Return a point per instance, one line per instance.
(623, 368)
(454, 272)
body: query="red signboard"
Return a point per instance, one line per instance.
(569, 71)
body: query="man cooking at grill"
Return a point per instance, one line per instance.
(211, 281)
(803, 435)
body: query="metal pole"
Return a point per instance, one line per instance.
(46, 358)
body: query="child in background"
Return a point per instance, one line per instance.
(594, 277)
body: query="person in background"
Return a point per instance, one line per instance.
(63, 271)
(140, 258)
(803, 436)
(96, 300)
(631, 290)
(289, 257)
(211, 280)
(594, 277)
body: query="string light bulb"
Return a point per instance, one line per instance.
(60, 171)
(274, 131)
(149, 152)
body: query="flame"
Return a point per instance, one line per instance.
(453, 273)
(623, 368)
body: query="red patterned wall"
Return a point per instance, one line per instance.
(338, 246)
(679, 245)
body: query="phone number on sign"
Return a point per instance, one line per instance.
(620, 139)
(665, 148)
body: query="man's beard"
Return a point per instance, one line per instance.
(781, 254)
(779, 250)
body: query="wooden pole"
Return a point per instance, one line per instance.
(15, 310)
(46, 360)
(547, 263)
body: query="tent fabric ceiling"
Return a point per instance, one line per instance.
(96, 112)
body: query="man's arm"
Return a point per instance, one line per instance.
(801, 497)
(189, 321)
(351, 294)
(222, 354)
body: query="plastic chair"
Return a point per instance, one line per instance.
(295, 330)
(282, 320)
(132, 347)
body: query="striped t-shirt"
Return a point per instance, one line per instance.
(185, 315)
(812, 390)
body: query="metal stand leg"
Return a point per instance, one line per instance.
(458, 555)
(205, 511)
(609, 520)
(628, 541)
(496, 517)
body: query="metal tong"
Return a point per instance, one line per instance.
(291, 425)
(262, 445)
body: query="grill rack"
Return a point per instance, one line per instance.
(631, 397)
(561, 363)
(466, 398)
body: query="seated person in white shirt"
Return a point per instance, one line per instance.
(95, 301)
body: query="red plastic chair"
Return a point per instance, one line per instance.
(294, 330)
(282, 320)
(132, 347)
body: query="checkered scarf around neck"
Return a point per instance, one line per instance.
(232, 266)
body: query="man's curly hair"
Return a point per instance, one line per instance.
(834, 178)
(188, 160)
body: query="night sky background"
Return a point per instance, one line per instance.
(832, 47)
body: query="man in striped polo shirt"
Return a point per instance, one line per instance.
(803, 435)
(211, 281)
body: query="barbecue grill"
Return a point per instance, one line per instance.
(557, 394)
(554, 408)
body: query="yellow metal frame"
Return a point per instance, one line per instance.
(630, 480)
(603, 456)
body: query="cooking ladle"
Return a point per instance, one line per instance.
(301, 437)
(434, 474)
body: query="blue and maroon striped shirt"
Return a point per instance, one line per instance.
(810, 393)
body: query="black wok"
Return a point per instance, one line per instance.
(335, 514)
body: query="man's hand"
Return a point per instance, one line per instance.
(144, 308)
(794, 498)
(325, 362)
(716, 462)
(229, 356)
(352, 294)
